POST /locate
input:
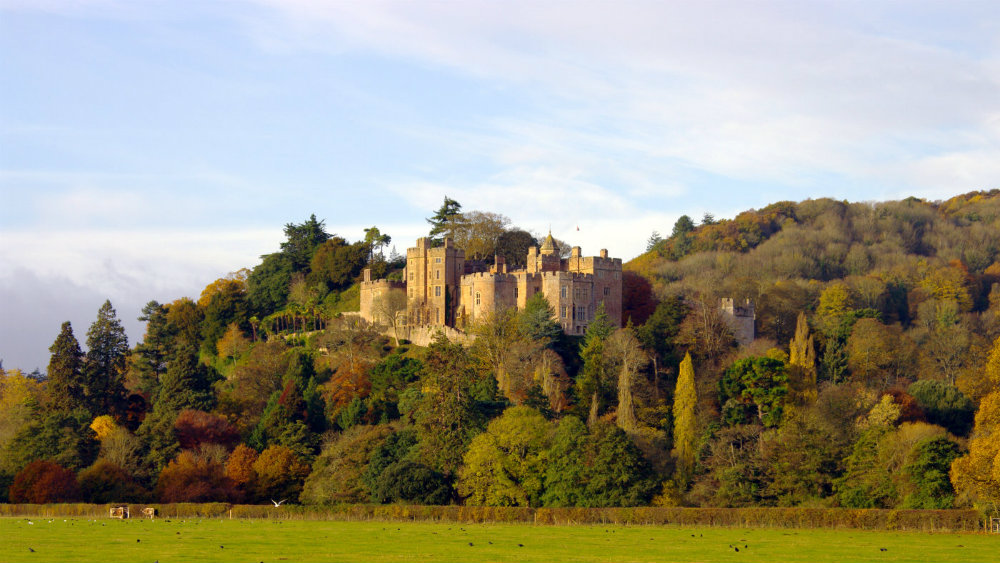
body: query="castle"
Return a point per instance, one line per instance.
(442, 290)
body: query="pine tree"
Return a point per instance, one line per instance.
(66, 386)
(107, 355)
(685, 399)
(802, 363)
(445, 221)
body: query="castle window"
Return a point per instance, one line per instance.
(477, 298)
(563, 291)
(581, 313)
(607, 291)
(437, 291)
(437, 315)
(437, 274)
(437, 260)
(515, 292)
(562, 312)
(411, 276)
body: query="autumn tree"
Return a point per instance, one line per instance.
(337, 471)
(504, 466)
(280, 473)
(44, 482)
(976, 475)
(106, 482)
(685, 401)
(479, 234)
(195, 477)
(802, 363)
(629, 357)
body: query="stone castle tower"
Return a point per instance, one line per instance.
(740, 318)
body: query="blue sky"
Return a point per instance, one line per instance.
(150, 147)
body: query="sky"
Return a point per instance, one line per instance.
(149, 147)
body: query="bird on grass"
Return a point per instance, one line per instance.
(31, 550)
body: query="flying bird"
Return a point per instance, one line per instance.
(279, 502)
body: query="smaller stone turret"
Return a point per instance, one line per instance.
(740, 318)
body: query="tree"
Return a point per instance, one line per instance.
(927, 473)
(227, 306)
(594, 382)
(446, 415)
(389, 308)
(280, 473)
(186, 385)
(653, 240)
(302, 240)
(66, 387)
(756, 385)
(944, 405)
(513, 247)
(18, 396)
(194, 428)
(685, 401)
(44, 482)
(802, 363)
(194, 477)
(337, 471)
(105, 363)
(445, 221)
(504, 466)
(336, 263)
(105, 482)
(239, 469)
(976, 475)
(479, 233)
(629, 357)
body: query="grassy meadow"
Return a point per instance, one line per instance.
(209, 540)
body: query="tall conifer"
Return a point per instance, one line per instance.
(65, 376)
(685, 399)
(104, 369)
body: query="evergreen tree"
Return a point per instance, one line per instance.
(66, 385)
(186, 385)
(685, 400)
(150, 357)
(594, 382)
(107, 355)
(445, 221)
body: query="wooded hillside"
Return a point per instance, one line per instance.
(873, 381)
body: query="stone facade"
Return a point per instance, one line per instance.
(740, 318)
(441, 292)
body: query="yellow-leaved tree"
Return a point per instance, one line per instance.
(802, 363)
(976, 475)
(685, 400)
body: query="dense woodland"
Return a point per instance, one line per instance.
(874, 380)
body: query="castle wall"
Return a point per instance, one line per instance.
(440, 294)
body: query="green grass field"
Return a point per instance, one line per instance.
(175, 540)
